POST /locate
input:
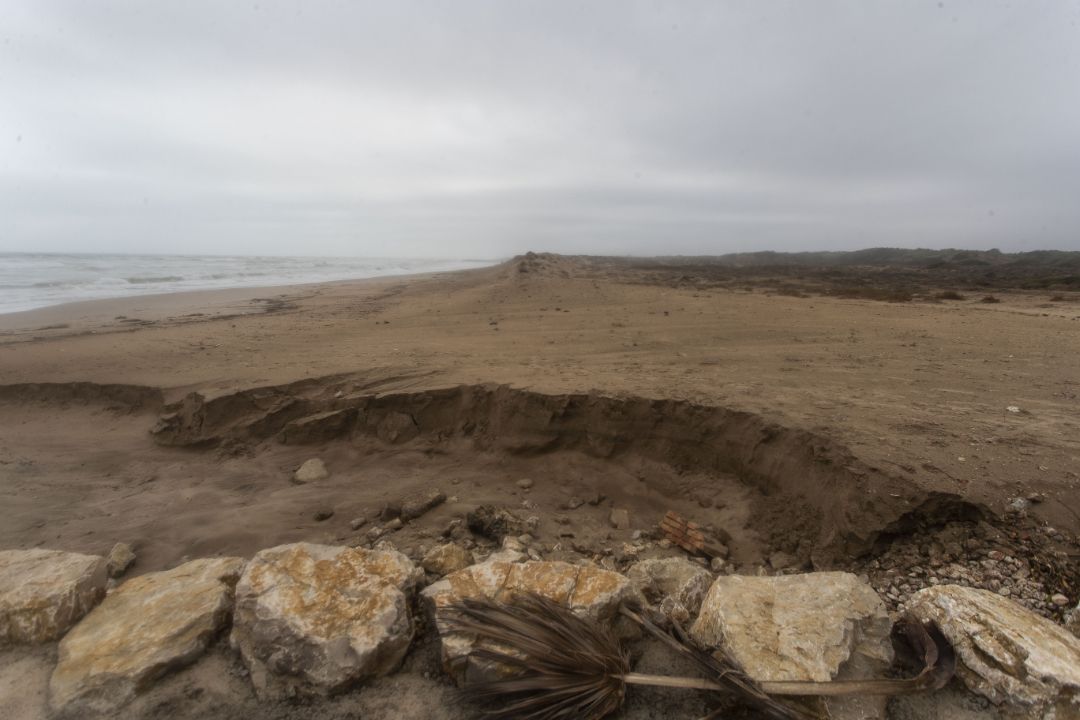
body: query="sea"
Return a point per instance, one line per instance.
(35, 280)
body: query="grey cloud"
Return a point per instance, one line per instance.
(488, 128)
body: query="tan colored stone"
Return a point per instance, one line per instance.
(45, 592)
(814, 626)
(445, 559)
(316, 619)
(312, 470)
(119, 560)
(619, 518)
(795, 627)
(415, 506)
(588, 590)
(1004, 651)
(147, 627)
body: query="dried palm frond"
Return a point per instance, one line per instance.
(558, 666)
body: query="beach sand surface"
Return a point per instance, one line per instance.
(915, 394)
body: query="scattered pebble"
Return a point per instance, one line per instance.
(1019, 504)
(1023, 564)
(620, 518)
(120, 559)
(311, 471)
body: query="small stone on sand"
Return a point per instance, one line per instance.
(312, 470)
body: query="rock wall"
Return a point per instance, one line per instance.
(313, 620)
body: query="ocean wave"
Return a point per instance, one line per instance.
(38, 280)
(60, 283)
(150, 280)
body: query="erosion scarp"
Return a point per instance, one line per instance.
(808, 484)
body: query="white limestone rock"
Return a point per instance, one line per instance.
(1004, 651)
(813, 626)
(317, 619)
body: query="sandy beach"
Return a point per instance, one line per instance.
(810, 425)
(906, 386)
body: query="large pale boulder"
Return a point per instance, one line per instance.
(45, 592)
(586, 589)
(1004, 651)
(147, 627)
(315, 619)
(795, 627)
(815, 626)
(676, 584)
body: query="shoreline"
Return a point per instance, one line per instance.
(208, 302)
(68, 279)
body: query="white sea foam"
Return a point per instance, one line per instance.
(33, 280)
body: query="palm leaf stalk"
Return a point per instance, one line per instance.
(558, 666)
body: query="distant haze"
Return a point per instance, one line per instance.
(482, 129)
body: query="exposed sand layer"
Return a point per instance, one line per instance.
(228, 488)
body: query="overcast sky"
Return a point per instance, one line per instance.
(482, 129)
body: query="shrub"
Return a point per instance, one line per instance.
(881, 294)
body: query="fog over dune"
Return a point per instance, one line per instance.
(482, 129)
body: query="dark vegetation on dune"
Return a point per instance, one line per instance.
(887, 274)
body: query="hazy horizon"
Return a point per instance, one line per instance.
(486, 129)
(507, 257)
